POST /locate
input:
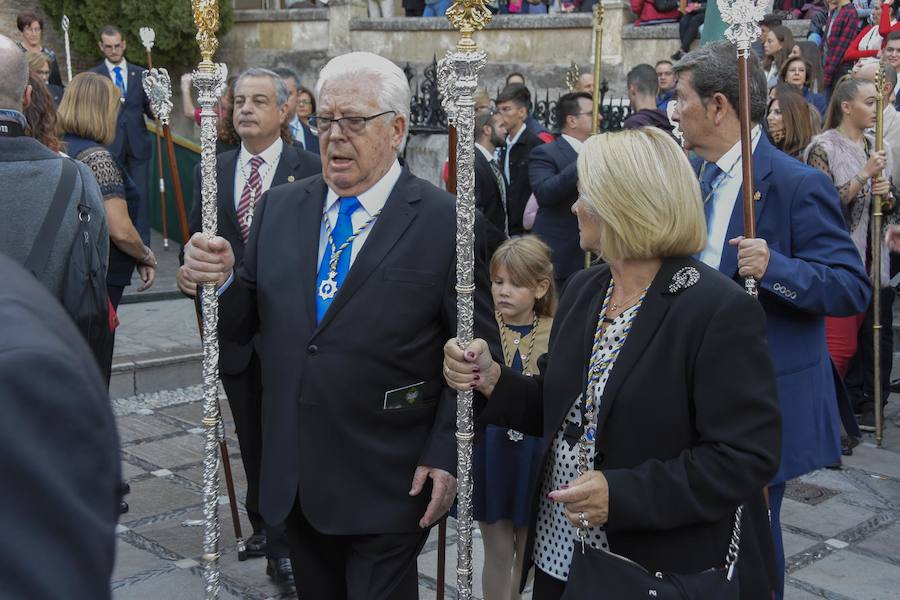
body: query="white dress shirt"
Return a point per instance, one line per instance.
(372, 200)
(724, 199)
(271, 156)
(576, 144)
(297, 131)
(112, 74)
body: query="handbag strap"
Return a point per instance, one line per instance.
(734, 546)
(43, 242)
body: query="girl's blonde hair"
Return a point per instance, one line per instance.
(90, 107)
(527, 262)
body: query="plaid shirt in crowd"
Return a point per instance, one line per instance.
(840, 33)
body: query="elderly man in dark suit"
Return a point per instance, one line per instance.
(554, 181)
(243, 176)
(490, 184)
(347, 285)
(60, 470)
(132, 144)
(803, 258)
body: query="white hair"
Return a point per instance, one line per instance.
(393, 92)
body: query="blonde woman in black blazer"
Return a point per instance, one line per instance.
(687, 422)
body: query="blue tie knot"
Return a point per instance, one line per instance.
(348, 205)
(117, 70)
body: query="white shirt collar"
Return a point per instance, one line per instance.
(110, 66)
(511, 141)
(269, 155)
(729, 161)
(575, 143)
(374, 198)
(488, 155)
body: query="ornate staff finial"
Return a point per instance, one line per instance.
(572, 75)
(148, 36)
(468, 16)
(743, 17)
(206, 18)
(65, 28)
(158, 87)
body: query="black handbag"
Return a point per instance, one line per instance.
(597, 574)
(665, 6)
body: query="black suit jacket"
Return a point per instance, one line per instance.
(489, 202)
(326, 432)
(132, 139)
(311, 141)
(296, 164)
(688, 427)
(552, 170)
(60, 471)
(519, 184)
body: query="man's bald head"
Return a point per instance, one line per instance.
(13, 75)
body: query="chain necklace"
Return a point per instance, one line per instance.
(251, 208)
(628, 301)
(509, 352)
(329, 287)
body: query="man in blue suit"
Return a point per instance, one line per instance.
(132, 144)
(803, 257)
(554, 182)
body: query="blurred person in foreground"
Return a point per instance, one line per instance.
(655, 332)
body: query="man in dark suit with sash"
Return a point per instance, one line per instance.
(348, 286)
(132, 144)
(803, 258)
(243, 175)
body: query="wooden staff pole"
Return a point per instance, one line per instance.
(876, 241)
(176, 185)
(159, 168)
(598, 57)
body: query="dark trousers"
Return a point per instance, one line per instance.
(139, 171)
(547, 587)
(244, 393)
(776, 495)
(352, 567)
(689, 27)
(860, 378)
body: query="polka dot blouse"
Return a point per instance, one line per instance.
(556, 538)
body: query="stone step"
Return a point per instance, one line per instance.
(154, 372)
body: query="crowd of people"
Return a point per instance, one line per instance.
(606, 271)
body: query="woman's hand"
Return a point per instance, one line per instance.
(881, 187)
(471, 368)
(147, 274)
(875, 164)
(586, 498)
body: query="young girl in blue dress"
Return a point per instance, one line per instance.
(505, 461)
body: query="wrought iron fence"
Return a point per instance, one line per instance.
(427, 115)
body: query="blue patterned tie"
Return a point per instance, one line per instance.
(343, 229)
(120, 82)
(709, 181)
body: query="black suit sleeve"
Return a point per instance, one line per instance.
(551, 186)
(61, 477)
(238, 318)
(738, 440)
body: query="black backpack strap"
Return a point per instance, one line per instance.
(43, 243)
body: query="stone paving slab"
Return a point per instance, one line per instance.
(863, 515)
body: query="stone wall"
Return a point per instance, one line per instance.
(53, 37)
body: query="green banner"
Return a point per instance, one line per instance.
(187, 156)
(713, 25)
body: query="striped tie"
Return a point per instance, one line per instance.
(252, 187)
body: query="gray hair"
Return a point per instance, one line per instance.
(281, 91)
(715, 68)
(393, 92)
(644, 79)
(287, 73)
(13, 74)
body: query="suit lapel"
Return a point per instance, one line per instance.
(288, 162)
(227, 177)
(650, 315)
(762, 168)
(396, 216)
(568, 152)
(309, 228)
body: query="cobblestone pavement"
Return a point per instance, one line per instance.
(842, 528)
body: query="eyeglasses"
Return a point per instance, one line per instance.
(32, 29)
(346, 124)
(578, 114)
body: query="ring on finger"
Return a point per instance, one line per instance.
(584, 522)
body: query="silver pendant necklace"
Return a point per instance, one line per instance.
(329, 286)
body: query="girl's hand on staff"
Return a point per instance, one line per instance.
(875, 164)
(881, 186)
(471, 368)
